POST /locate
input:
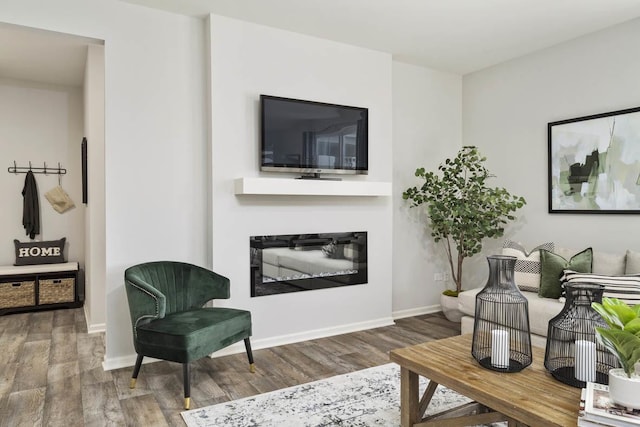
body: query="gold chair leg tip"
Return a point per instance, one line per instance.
(132, 383)
(252, 368)
(187, 402)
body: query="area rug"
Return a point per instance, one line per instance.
(370, 397)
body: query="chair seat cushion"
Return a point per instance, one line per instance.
(189, 335)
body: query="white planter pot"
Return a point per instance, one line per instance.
(450, 309)
(623, 390)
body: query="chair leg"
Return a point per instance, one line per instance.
(136, 371)
(247, 346)
(187, 386)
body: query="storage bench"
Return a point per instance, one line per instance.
(35, 287)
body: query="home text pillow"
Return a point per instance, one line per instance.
(632, 262)
(527, 269)
(552, 266)
(45, 252)
(625, 288)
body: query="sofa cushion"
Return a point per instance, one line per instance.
(552, 265)
(541, 310)
(527, 268)
(625, 288)
(632, 265)
(608, 264)
(603, 262)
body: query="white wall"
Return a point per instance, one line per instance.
(155, 137)
(506, 109)
(427, 128)
(40, 123)
(94, 210)
(248, 60)
(156, 149)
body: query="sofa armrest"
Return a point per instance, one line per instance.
(467, 301)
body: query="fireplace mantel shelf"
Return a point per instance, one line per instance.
(310, 187)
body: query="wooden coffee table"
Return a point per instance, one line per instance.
(530, 397)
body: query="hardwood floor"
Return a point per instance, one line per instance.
(51, 371)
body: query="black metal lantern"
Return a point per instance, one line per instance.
(501, 334)
(572, 355)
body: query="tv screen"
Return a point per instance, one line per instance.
(313, 137)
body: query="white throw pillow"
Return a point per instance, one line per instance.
(625, 288)
(527, 268)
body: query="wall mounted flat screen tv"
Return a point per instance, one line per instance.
(313, 138)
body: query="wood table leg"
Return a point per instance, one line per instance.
(426, 398)
(409, 404)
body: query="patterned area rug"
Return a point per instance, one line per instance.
(370, 397)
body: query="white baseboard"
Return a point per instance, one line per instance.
(124, 362)
(96, 328)
(305, 336)
(93, 328)
(129, 360)
(418, 311)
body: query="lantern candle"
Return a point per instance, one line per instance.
(500, 348)
(585, 358)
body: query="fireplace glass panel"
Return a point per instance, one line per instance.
(302, 262)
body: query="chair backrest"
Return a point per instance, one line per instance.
(183, 285)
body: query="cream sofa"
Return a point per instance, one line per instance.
(541, 310)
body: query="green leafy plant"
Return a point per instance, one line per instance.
(462, 208)
(623, 337)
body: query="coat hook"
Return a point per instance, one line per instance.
(45, 167)
(29, 164)
(15, 168)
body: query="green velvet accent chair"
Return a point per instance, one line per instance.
(166, 302)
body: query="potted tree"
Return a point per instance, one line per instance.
(623, 340)
(462, 210)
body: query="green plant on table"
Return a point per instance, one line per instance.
(623, 337)
(462, 208)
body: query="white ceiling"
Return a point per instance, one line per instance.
(42, 56)
(458, 36)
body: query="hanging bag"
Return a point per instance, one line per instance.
(59, 199)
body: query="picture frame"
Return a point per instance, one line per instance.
(594, 163)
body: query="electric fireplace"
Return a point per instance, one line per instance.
(303, 262)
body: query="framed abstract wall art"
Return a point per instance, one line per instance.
(594, 163)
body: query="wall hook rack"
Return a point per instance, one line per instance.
(15, 169)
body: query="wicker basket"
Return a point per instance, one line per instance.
(53, 291)
(17, 294)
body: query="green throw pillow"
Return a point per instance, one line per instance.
(551, 266)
